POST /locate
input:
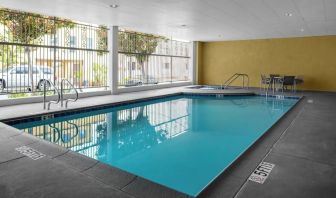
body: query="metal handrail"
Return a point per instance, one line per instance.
(45, 94)
(234, 77)
(68, 100)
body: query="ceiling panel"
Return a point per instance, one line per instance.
(311, 9)
(260, 10)
(318, 28)
(330, 9)
(206, 20)
(282, 7)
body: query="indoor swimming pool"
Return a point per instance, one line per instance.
(182, 142)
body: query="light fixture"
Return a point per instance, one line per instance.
(183, 25)
(302, 30)
(287, 14)
(114, 6)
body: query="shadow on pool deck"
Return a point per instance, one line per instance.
(301, 145)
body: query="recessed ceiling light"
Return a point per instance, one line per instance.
(288, 14)
(114, 6)
(302, 30)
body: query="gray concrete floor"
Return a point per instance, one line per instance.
(301, 145)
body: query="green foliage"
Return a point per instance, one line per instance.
(79, 75)
(26, 95)
(9, 54)
(40, 93)
(18, 95)
(140, 44)
(27, 27)
(102, 32)
(99, 72)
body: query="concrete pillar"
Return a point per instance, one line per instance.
(113, 59)
(193, 71)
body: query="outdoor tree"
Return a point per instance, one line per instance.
(27, 28)
(8, 54)
(139, 46)
(99, 72)
(102, 32)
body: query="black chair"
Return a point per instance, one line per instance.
(289, 81)
(272, 76)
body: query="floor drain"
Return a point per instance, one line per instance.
(30, 152)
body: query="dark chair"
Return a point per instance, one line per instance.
(272, 76)
(289, 81)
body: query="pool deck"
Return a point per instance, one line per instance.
(26, 110)
(302, 145)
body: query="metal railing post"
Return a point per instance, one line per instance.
(62, 93)
(44, 94)
(62, 96)
(233, 78)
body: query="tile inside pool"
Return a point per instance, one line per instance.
(182, 142)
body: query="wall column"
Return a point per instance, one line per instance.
(194, 58)
(113, 59)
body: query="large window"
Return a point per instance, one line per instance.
(49, 48)
(146, 59)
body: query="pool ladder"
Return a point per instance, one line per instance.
(69, 99)
(234, 77)
(60, 94)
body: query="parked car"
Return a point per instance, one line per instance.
(18, 77)
(133, 82)
(149, 80)
(141, 80)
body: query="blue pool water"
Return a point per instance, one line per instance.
(182, 142)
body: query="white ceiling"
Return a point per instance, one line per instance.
(206, 20)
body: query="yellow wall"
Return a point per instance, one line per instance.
(312, 57)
